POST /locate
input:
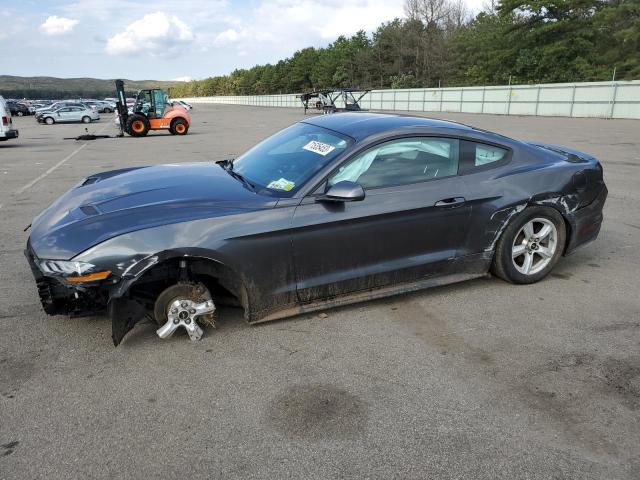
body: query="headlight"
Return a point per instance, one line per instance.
(65, 267)
(75, 272)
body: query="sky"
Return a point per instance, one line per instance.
(169, 39)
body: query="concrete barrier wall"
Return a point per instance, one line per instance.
(593, 99)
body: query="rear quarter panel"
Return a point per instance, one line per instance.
(532, 177)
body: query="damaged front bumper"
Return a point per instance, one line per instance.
(59, 297)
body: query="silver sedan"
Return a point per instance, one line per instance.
(68, 115)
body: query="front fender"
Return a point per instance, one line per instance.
(137, 267)
(125, 310)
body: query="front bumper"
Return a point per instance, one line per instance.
(60, 298)
(586, 222)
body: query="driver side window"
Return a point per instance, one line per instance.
(401, 162)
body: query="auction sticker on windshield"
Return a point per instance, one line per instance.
(319, 147)
(282, 184)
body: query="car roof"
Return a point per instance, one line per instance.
(360, 125)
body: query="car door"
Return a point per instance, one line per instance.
(76, 114)
(62, 114)
(409, 226)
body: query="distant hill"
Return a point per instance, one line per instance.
(57, 88)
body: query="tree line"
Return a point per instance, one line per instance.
(64, 88)
(439, 43)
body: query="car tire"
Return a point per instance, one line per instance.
(49, 121)
(86, 119)
(179, 127)
(137, 125)
(530, 246)
(20, 114)
(107, 110)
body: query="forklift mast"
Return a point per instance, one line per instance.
(121, 105)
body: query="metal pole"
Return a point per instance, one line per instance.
(424, 94)
(484, 90)
(613, 99)
(615, 92)
(509, 98)
(573, 99)
(537, 100)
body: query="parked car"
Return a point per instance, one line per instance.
(57, 105)
(68, 114)
(107, 107)
(6, 125)
(18, 109)
(100, 106)
(186, 105)
(329, 211)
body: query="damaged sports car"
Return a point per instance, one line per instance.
(331, 210)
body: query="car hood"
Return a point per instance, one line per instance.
(112, 203)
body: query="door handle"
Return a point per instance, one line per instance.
(451, 202)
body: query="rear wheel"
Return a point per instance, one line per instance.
(86, 119)
(137, 125)
(49, 121)
(20, 114)
(179, 127)
(107, 110)
(530, 246)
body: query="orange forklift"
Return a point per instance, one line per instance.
(151, 111)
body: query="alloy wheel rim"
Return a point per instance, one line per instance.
(534, 246)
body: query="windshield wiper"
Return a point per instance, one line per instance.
(228, 166)
(226, 163)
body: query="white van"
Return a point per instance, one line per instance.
(6, 126)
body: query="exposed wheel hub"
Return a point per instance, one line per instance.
(183, 313)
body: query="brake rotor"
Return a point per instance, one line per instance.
(186, 305)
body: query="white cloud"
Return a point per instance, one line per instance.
(155, 33)
(228, 36)
(287, 25)
(55, 25)
(182, 79)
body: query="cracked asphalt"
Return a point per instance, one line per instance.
(478, 380)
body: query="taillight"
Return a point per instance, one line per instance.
(5, 121)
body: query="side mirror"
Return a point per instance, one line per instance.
(343, 192)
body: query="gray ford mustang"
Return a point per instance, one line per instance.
(331, 210)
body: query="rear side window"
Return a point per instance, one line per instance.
(481, 156)
(485, 154)
(401, 162)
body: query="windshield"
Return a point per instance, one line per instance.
(284, 162)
